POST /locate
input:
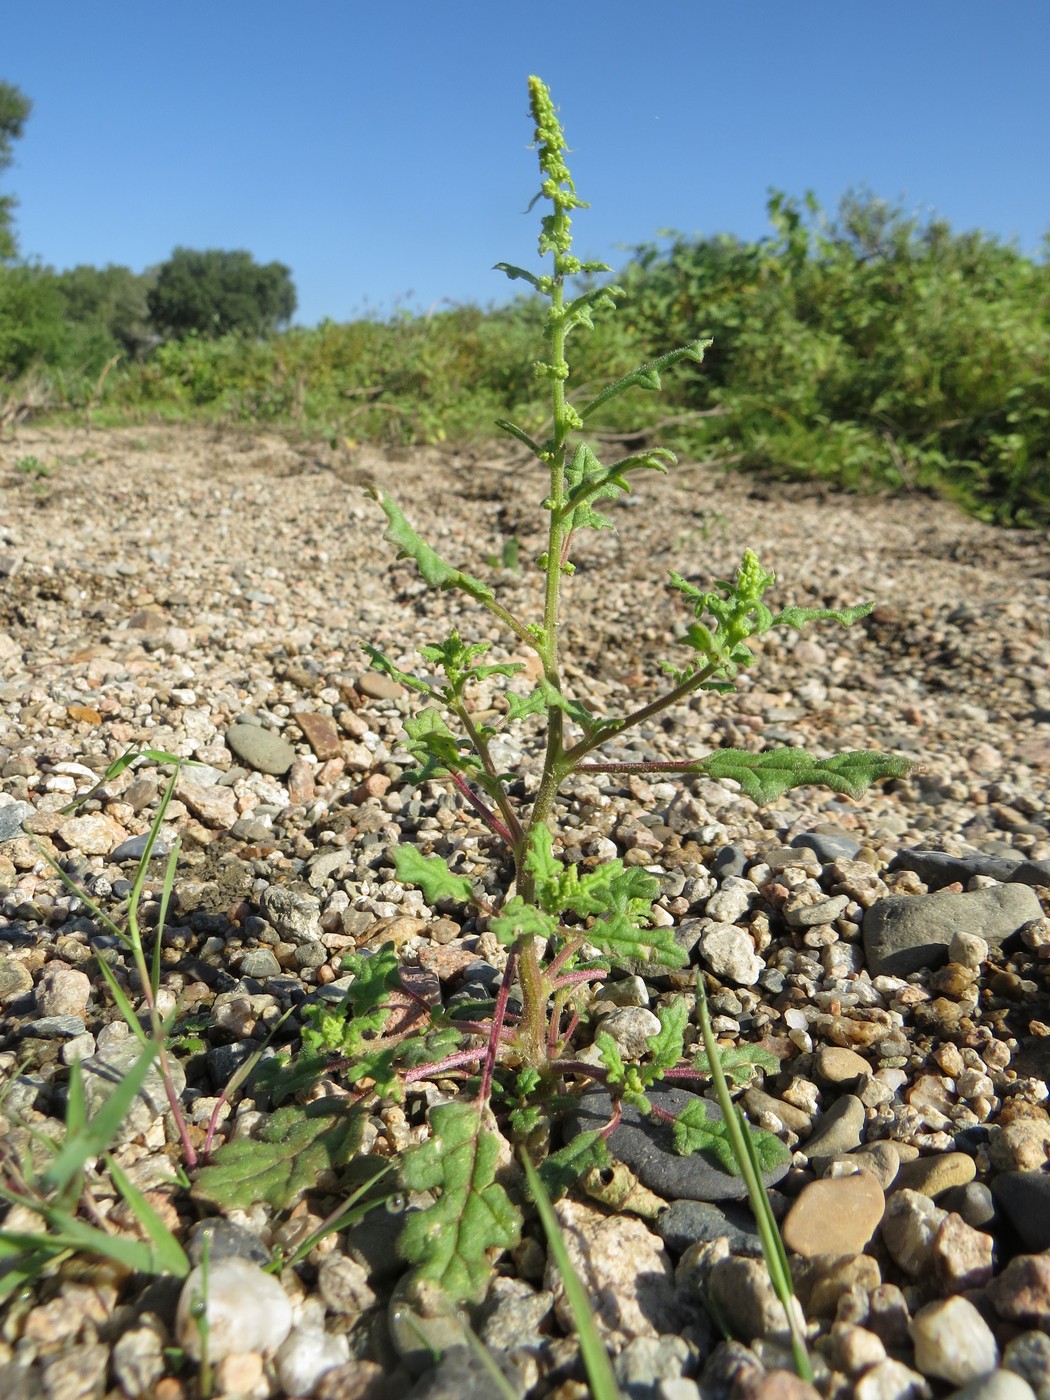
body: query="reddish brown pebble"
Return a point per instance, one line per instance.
(301, 783)
(375, 785)
(84, 714)
(320, 732)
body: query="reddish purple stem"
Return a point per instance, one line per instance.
(484, 812)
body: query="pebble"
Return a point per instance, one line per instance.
(15, 979)
(932, 1176)
(260, 748)
(838, 1215)
(247, 1310)
(1024, 1198)
(909, 1229)
(624, 1268)
(631, 1027)
(962, 1256)
(905, 933)
(935, 868)
(953, 1342)
(93, 834)
(838, 1130)
(62, 991)
(1028, 1356)
(836, 1065)
(730, 954)
(296, 917)
(378, 686)
(1000, 1385)
(646, 1146)
(104, 1071)
(1021, 1293)
(321, 732)
(743, 1294)
(891, 1380)
(12, 815)
(827, 846)
(306, 1354)
(134, 848)
(684, 1223)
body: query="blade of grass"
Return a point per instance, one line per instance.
(168, 1253)
(595, 1357)
(96, 1134)
(748, 1165)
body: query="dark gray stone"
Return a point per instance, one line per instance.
(691, 1222)
(134, 847)
(53, 1027)
(935, 869)
(12, 815)
(905, 933)
(974, 1202)
(1024, 1198)
(826, 846)
(646, 1145)
(730, 860)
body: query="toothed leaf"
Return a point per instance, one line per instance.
(473, 1214)
(739, 1063)
(764, 776)
(563, 1168)
(381, 662)
(518, 918)
(432, 876)
(648, 376)
(289, 1155)
(694, 1131)
(435, 571)
(798, 617)
(665, 1048)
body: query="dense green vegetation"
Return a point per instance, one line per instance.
(868, 350)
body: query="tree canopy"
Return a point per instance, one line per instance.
(14, 110)
(212, 293)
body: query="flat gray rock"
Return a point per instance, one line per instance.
(904, 933)
(260, 749)
(693, 1222)
(646, 1145)
(935, 868)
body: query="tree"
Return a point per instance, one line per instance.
(14, 109)
(113, 298)
(212, 293)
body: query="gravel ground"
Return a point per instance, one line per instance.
(206, 593)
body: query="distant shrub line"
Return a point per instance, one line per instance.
(868, 351)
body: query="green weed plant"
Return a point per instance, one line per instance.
(565, 928)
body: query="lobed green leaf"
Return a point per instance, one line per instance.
(765, 776)
(695, 1131)
(432, 876)
(288, 1157)
(450, 1240)
(433, 568)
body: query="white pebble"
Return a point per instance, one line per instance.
(247, 1310)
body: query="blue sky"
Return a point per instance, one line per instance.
(381, 149)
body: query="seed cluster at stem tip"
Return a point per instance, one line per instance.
(555, 235)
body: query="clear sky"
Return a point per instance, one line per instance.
(380, 149)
